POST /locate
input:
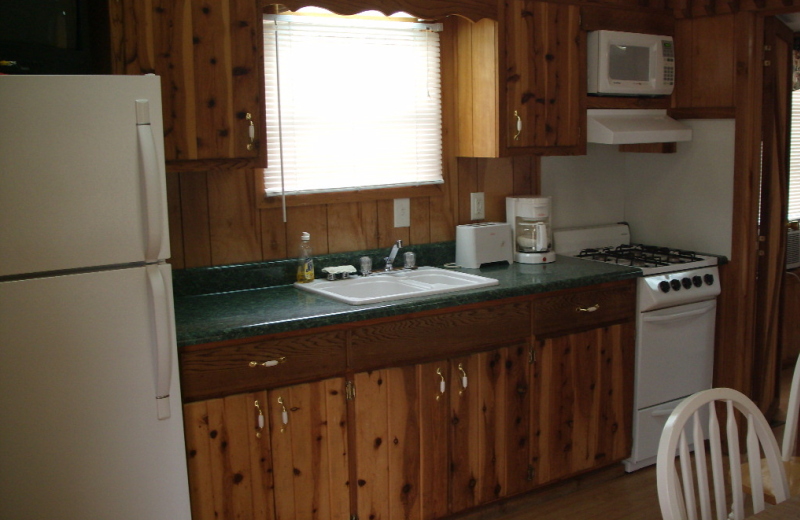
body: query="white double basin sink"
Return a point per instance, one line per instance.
(396, 285)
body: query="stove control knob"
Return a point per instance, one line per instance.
(687, 283)
(664, 286)
(697, 280)
(709, 279)
(676, 284)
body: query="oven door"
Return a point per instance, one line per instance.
(675, 352)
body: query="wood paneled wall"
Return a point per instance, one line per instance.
(214, 218)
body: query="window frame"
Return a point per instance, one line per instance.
(362, 195)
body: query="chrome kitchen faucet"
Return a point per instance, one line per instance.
(390, 259)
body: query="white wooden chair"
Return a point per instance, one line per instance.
(681, 497)
(791, 463)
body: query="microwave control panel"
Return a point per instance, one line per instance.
(668, 51)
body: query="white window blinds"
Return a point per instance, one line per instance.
(351, 104)
(794, 160)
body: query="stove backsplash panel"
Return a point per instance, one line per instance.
(683, 200)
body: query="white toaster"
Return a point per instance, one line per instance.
(484, 243)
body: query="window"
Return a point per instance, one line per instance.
(793, 212)
(351, 103)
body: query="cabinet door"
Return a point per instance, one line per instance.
(228, 458)
(401, 442)
(490, 426)
(308, 425)
(582, 408)
(545, 81)
(209, 57)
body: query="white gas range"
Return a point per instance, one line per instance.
(675, 322)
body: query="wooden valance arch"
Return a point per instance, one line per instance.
(427, 9)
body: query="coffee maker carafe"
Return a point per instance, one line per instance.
(529, 218)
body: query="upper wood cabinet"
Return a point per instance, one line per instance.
(209, 56)
(706, 67)
(521, 84)
(544, 78)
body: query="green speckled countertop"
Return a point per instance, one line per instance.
(218, 316)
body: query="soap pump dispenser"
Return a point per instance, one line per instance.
(305, 260)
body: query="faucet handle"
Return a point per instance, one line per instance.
(366, 265)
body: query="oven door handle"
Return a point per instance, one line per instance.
(681, 315)
(662, 413)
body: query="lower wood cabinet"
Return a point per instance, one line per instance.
(582, 414)
(437, 438)
(229, 458)
(548, 397)
(293, 463)
(401, 442)
(490, 416)
(308, 434)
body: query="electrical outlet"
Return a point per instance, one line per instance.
(402, 212)
(476, 209)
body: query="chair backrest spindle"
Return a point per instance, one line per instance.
(679, 498)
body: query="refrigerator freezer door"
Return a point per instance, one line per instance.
(73, 191)
(80, 434)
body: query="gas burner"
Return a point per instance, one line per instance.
(639, 255)
(610, 244)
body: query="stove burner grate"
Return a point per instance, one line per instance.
(640, 255)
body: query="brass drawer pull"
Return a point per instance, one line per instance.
(588, 309)
(463, 379)
(442, 383)
(260, 426)
(251, 132)
(284, 414)
(266, 364)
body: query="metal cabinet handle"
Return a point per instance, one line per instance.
(251, 132)
(260, 426)
(266, 364)
(464, 380)
(588, 309)
(442, 383)
(519, 125)
(284, 414)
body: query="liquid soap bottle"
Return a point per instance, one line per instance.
(305, 261)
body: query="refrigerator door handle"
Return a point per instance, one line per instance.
(152, 175)
(161, 332)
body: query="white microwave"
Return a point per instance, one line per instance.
(630, 64)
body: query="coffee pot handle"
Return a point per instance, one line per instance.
(541, 236)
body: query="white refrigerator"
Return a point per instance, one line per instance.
(90, 409)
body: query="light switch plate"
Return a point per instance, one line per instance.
(476, 208)
(402, 213)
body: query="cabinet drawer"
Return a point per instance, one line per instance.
(577, 310)
(439, 336)
(226, 369)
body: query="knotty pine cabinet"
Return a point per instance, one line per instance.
(545, 77)
(582, 419)
(425, 416)
(293, 463)
(521, 84)
(210, 59)
(582, 377)
(456, 425)
(706, 66)
(400, 444)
